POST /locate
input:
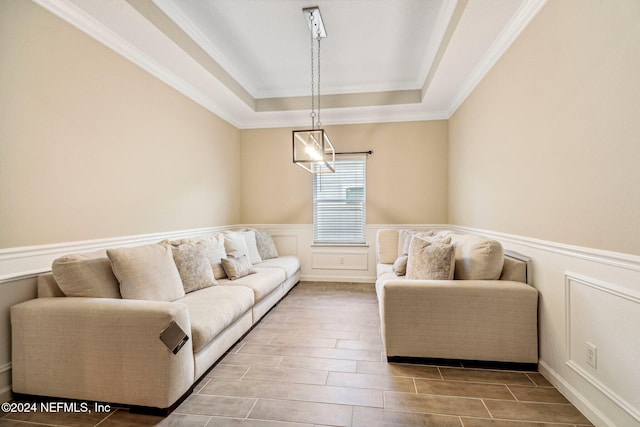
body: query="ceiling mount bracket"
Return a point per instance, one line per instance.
(314, 19)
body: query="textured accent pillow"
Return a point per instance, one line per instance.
(430, 261)
(400, 265)
(194, 266)
(147, 272)
(426, 235)
(252, 247)
(237, 267)
(266, 246)
(86, 275)
(235, 245)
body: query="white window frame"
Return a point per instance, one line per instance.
(340, 203)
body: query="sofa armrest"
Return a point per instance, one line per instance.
(100, 349)
(460, 319)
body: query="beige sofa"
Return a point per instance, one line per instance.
(486, 312)
(102, 342)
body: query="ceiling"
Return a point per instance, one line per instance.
(248, 61)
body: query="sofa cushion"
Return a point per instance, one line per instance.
(194, 266)
(387, 245)
(477, 258)
(290, 264)
(213, 309)
(384, 269)
(263, 282)
(430, 260)
(48, 287)
(237, 267)
(147, 272)
(86, 275)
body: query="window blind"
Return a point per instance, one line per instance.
(340, 203)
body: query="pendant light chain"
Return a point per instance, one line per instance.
(318, 120)
(313, 104)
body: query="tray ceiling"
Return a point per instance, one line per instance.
(248, 61)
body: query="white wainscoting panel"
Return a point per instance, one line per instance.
(286, 244)
(340, 259)
(598, 314)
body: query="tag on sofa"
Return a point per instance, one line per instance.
(174, 337)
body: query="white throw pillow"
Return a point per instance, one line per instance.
(147, 272)
(430, 261)
(235, 245)
(252, 246)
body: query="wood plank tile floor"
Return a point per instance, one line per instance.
(316, 360)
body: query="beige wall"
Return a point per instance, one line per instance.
(406, 175)
(548, 145)
(92, 146)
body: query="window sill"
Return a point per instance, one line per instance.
(339, 245)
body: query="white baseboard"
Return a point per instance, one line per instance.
(5, 389)
(341, 279)
(576, 398)
(6, 395)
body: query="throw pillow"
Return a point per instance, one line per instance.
(426, 235)
(193, 266)
(430, 261)
(400, 265)
(252, 247)
(215, 251)
(266, 245)
(147, 272)
(214, 245)
(86, 275)
(237, 267)
(404, 238)
(235, 245)
(477, 258)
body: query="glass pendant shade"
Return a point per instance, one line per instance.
(313, 151)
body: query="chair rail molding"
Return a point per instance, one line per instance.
(29, 261)
(610, 258)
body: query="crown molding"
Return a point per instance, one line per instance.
(518, 23)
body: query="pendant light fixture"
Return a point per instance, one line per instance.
(312, 148)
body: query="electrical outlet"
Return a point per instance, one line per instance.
(592, 355)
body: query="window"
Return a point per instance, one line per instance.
(340, 203)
